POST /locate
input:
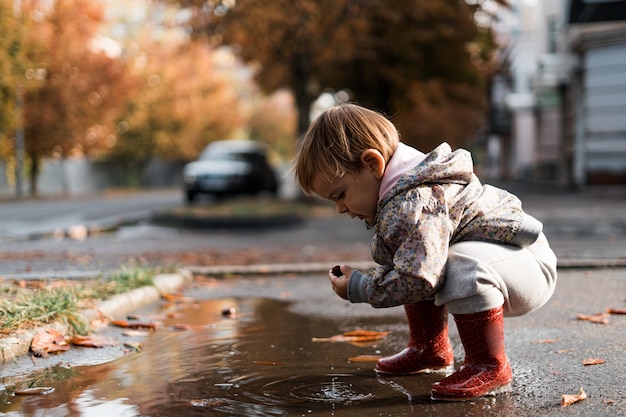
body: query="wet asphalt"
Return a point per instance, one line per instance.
(547, 348)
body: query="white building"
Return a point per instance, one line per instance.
(560, 101)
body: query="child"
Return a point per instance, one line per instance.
(443, 241)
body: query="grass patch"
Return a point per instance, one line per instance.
(32, 308)
(245, 207)
(28, 304)
(244, 212)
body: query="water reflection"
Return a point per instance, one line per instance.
(258, 362)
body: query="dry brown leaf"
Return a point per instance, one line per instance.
(354, 336)
(569, 399)
(100, 321)
(48, 341)
(593, 361)
(94, 341)
(153, 325)
(177, 298)
(616, 310)
(364, 358)
(600, 318)
(35, 284)
(544, 341)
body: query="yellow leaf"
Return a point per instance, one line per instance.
(354, 336)
(93, 341)
(600, 318)
(364, 358)
(593, 361)
(569, 399)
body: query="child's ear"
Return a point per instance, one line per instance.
(374, 161)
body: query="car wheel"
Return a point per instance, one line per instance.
(274, 188)
(190, 196)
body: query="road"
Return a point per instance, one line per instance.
(30, 247)
(20, 219)
(584, 228)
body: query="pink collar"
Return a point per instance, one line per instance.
(402, 161)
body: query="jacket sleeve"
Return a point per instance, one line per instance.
(411, 245)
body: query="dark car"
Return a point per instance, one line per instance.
(230, 167)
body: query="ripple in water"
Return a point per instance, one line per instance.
(332, 388)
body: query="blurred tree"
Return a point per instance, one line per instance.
(420, 62)
(75, 89)
(187, 99)
(425, 64)
(10, 66)
(286, 41)
(273, 121)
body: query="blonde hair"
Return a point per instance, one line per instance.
(333, 144)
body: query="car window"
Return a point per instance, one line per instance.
(215, 156)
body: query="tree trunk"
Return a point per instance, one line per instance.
(301, 76)
(34, 175)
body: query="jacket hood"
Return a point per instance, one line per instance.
(441, 165)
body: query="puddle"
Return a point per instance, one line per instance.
(260, 362)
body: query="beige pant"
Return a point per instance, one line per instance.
(481, 276)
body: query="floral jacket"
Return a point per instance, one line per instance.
(436, 204)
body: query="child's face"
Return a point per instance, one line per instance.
(354, 193)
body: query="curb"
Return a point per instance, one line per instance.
(13, 346)
(323, 267)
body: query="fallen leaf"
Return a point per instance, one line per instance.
(569, 399)
(364, 358)
(35, 284)
(547, 341)
(600, 318)
(34, 391)
(366, 333)
(94, 341)
(354, 336)
(564, 350)
(616, 310)
(100, 321)
(136, 324)
(177, 298)
(48, 341)
(593, 361)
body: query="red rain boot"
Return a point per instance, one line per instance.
(428, 349)
(486, 369)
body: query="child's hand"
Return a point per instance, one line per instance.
(340, 284)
